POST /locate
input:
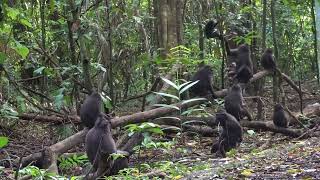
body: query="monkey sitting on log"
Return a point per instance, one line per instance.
(267, 60)
(204, 87)
(91, 109)
(233, 103)
(244, 67)
(99, 146)
(280, 117)
(231, 135)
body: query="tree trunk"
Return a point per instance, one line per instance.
(317, 38)
(276, 53)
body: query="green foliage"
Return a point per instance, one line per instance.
(231, 153)
(3, 141)
(145, 127)
(37, 174)
(72, 161)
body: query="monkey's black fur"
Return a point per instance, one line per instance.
(267, 60)
(204, 87)
(231, 135)
(100, 144)
(279, 116)
(233, 101)
(244, 67)
(91, 109)
(210, 30)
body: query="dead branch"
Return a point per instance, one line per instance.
(269, 126)
(66, 144)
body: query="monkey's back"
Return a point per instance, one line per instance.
(280, 118)
(93, 139)
(203, 76)
(90, 110)
(232, 104)
(267, 61)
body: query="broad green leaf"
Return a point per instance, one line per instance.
(26, 23)
(194, 99)
(190, 111)
(182, 85)
(250, 132)
(167, 95)
(106, 101)
(39, 70)
(247, 172)
(3, 141)
(168, 117)
(22, 50)
(170, 83)
(172, 127)
(12, 13)
(167, 106)
(188, 86)
(156, 130)
(195, 122)
(3, 57)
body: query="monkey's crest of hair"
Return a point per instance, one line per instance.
(221, 117)
(269, 50)
(95, 94)
(244, 48)
(236, 87)
(102, 122)
(278, 107)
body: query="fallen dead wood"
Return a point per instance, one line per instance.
(50, 119)
(66, 144)
(269, 126)
(257, 125)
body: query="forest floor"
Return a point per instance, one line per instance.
(261, 155)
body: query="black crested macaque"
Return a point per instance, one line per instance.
(204, 87)
(91, 109)
(280, 118)
(233, 101)
(210, 30)
(244, 67)
(267, 60)
(231, 135)
(99, 145)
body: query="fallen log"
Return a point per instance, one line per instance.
(66, 144)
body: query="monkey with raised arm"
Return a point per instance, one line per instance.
(99, 146)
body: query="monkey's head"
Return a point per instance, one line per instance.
(268, 50)
(207, 68)
(221, 117)
(236, 88)
(278, 107)
(243, 48)
(103, 123)
(95, 95)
